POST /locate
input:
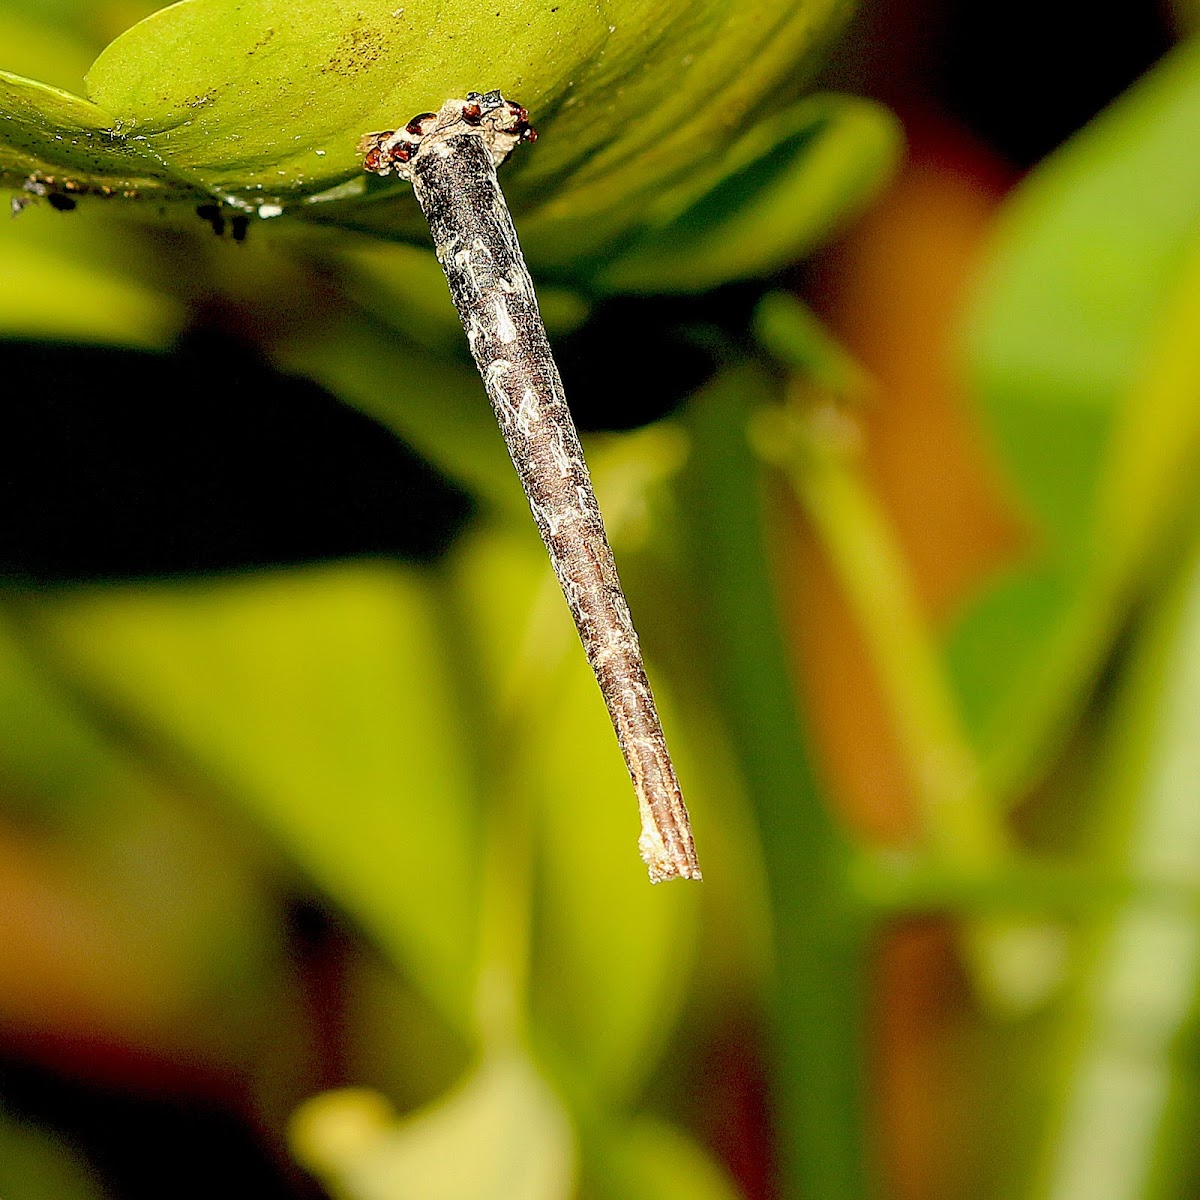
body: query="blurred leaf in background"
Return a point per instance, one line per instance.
(1083, 330)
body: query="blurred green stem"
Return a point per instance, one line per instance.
(815, 442)
(1124, 1113)
(814, 445)
(820, 934)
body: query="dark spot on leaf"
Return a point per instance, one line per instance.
(357, 51)
(262, 41)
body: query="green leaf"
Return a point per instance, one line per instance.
(501, 1136)
(1080, 350)
(320, 700)
(143, 953)
(269, 99)
(51, 135)
(765, 201)
(689, 180)
(264, 102)
(76, 22)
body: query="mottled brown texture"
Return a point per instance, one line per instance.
(453, 174)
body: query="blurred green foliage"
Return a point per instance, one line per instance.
(1084, 331)
(423, 747)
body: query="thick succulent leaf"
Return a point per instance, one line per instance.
(501, 1136)
(1084, 352)
(51, 135)
(264, 102)
(676, 81)
(320, 700)
(271, 98)
(766, 201)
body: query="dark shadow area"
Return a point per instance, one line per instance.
(639, 358)
(1021, 76)
(149, 1146)
(119, 464)
(1026, 75)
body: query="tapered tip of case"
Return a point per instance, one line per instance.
(664, 862)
